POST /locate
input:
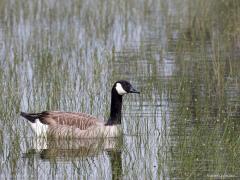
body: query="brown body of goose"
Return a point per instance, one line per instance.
(81, 125)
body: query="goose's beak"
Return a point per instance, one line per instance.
(132, 90)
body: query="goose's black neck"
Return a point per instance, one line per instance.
(116, 109)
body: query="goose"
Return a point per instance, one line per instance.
(81, 125)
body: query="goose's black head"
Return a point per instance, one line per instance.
(122, 87)
(118, 90)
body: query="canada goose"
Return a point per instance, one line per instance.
(81, 125)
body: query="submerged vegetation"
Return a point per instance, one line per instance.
(182, 55)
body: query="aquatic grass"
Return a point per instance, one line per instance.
(205, 119)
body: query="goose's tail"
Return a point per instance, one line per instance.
(30, 116)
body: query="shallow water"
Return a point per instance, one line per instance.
(65, 55)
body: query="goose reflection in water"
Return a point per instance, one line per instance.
(63, 150)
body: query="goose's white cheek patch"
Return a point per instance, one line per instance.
(120, 89)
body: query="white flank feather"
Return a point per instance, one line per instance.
(39, 128)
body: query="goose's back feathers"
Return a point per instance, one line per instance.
(81, 121)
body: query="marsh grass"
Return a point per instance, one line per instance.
(205, 120)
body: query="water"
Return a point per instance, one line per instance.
(65, 55)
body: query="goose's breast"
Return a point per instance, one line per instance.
(101, 132)
(112, 131)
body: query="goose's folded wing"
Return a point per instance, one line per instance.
(78, 120)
